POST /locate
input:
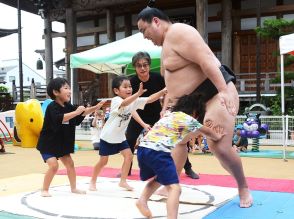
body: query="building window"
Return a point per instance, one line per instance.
(11, 78)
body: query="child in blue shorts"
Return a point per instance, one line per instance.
(57, 136)
(113, 138)
(154, 151)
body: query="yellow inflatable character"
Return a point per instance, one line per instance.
(28, 122)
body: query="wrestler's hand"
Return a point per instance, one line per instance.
(228, 101)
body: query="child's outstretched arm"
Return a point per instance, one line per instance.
(78, 111)
(132, 98)
(91, 109)
(157, 95)
(139, 120)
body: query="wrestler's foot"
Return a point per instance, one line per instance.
(246, 200)
(45, 193)
(92, 186)
(78, 191)
(162, 192)
(126, 186)
(143, 208)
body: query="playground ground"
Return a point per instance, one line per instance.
(22, 169)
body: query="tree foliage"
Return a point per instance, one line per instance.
(274, 29)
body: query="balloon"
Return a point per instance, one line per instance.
(243, 133)
(255, 134)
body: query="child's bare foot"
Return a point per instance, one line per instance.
(143, 208)
(78, 191)
(92, 187)
(162, 191)
(45, 193)
(126, 186)
(246, 200)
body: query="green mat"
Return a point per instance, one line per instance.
(268, 154)
(6, 215)
(261, 154)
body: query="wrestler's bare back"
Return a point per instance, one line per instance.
(181, 75)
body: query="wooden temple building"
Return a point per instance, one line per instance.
(228, 26)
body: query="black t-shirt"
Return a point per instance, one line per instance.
(153, 85)
(57, 138)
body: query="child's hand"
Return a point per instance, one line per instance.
(219, 133)
(100, 104)
(80, 109)
(164, 91)
(141, 89)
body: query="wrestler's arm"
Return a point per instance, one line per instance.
(188, 43)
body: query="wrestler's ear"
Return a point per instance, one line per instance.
(156, 20)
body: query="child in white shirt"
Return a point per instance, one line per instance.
(112, 138)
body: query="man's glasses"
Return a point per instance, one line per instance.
(145, 65)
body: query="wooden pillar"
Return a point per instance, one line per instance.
(96, 34)
(237, 54)
(110, 26)
(110, 22)
(236, 27)
(202, 18)
(71, 47)
(227, 32)
(128, 24)
(48, 49)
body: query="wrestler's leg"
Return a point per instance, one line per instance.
(217, 114)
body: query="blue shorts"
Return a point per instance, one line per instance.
(157, 163)
(47, 156)
(110, 148)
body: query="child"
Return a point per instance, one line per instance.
(112, 138)
(239, 143)
(154, 151)
(2, 150)
(57, 136)
(97, 124)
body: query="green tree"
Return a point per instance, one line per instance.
(274, 28)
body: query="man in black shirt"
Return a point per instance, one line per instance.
(153, 82)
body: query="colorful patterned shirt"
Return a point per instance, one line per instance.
(170, 130)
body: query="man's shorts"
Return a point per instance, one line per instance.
(107, 149)
(157, 163)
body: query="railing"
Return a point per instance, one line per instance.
(273, 137)
(246, 83)
(29, 92)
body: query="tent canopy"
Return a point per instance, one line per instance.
(116, 56)
(286, 47)
(287, 44)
